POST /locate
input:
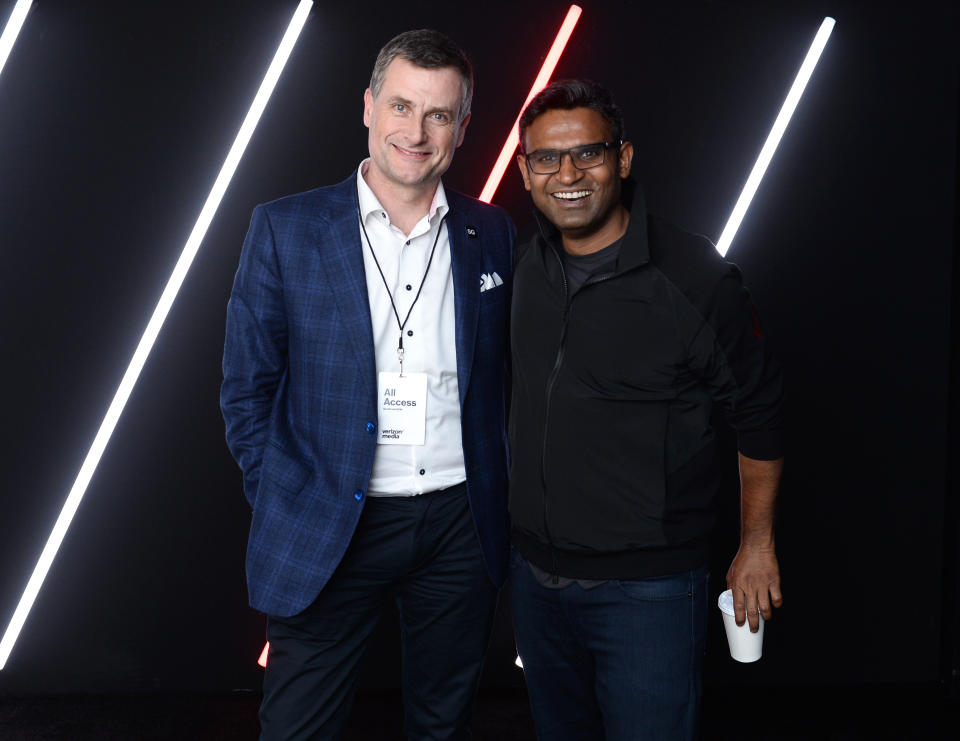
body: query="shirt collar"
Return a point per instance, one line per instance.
(370, 204)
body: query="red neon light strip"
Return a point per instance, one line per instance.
(549, 64)
(510, 145)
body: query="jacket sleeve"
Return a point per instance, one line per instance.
(255, 350)
(731, 355)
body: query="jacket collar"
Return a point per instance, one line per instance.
(635, 250)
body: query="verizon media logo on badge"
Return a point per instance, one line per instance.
(489, 280)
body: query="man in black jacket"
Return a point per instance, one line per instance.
(625, 333)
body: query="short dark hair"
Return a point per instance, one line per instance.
(428, 49)
(569, 94)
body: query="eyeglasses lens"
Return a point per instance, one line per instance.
(548, 161)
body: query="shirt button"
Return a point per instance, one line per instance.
(409, 333)
(358, 495)
(423, 471)
(371, 427)
(408, 287)
(408, 243)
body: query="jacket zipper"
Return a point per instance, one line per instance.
(551, 382)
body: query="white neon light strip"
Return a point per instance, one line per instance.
(152, 330)
(546, 70)
(776, 133)
(12, 29)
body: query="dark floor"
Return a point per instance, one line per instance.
(841, 713)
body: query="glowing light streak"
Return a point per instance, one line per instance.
(153, 329)
(776, 133)
(510, 145)
(546, 70)
(12, 29)
(262, 661)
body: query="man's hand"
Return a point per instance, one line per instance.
(754, 577)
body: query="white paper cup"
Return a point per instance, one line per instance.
(744, 645)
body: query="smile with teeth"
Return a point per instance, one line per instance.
(570, 195)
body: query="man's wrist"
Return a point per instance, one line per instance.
(758, 541)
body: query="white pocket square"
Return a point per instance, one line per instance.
(489, 280)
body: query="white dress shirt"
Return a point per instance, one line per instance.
(429, 338)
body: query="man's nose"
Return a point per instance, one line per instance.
(416, 130)
(568, 172)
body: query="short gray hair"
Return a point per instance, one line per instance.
(428, 49)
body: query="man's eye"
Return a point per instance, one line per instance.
(399, 108)
(588, 155)
(440, 117)
(545, 158)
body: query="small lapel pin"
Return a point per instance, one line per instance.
(472, 232)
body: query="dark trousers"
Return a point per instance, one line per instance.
(621, 661)
(422, 551)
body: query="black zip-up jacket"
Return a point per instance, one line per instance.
(613, 469)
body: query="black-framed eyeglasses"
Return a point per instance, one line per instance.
(547, 161)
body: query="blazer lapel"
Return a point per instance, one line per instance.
(341, 256)
(465, 257)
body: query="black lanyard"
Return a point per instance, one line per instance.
(400, 324)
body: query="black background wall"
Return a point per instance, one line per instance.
(114, 121)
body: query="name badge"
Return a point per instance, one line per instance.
(403, 408)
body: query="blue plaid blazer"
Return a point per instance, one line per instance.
(300, 384)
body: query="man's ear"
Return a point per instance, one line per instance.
(367, 106)
(626, 159)
(522, 164)
(463, 129)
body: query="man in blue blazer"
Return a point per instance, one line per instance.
(363, 394)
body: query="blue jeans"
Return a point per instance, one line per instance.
(620, 661)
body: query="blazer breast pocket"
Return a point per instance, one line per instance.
(494, 298)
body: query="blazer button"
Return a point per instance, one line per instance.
(358, 495)
(371, 427)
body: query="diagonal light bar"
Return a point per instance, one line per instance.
(776, 133)
(152, 330)
(12, 29)
(546, 70)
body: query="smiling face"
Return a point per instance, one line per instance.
(583, 204)
(414, 127)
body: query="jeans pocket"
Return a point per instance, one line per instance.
(659, 588)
